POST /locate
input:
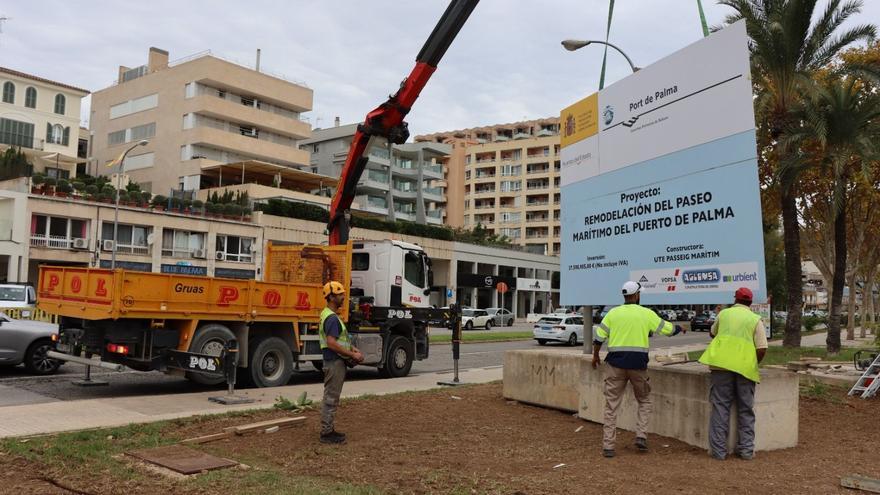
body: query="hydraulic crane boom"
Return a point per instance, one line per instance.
(387, 119)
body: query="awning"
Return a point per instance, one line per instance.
(259, 172)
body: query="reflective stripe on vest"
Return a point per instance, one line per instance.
(733, 348)
(628, 327)
(343, 339)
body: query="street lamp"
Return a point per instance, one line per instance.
(572, 45)
(142, 142)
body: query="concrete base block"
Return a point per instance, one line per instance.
(680, 395)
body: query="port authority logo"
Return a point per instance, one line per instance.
(643, 280)
(608, 114)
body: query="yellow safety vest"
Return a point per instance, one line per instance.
(628, 327)
(733, 348)
(343, 339)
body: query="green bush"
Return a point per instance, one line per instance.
(176, 203)
(79, 185)
(92, 190)
(64, 186)
(198, 204)
(810, 322)
(159, 200)
(38, 179)
(50, 181)
(146, 196)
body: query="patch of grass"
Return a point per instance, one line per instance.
(259, 481)
(782, 355)
(821, 391)
(471, 336)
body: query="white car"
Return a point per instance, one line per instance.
(501, 316)
(568, 329)
(474, 318)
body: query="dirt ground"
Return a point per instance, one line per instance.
(431, 442)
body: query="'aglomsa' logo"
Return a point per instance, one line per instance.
(705, 276)
(608, 114)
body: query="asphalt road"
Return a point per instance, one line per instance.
(16, 387)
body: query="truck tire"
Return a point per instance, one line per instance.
(399, 360)
(210, 340)
(270, 362)
(35, 360)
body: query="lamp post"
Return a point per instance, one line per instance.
(142, 142)
(572, 45)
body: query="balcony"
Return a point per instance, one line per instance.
(433, 171)
(434, 213)
(536, 171)
(531, 204)
(546, 132)
(484, 206)
(224, 109)
(537, 187)
(522, 135)
(238, 143)
(53, 241)
(483, 192)
(432, 193)
(537, 219)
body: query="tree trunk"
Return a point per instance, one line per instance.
(871, 308)
(864, 310)
(792, 244)
(851, 309)
(832, 342)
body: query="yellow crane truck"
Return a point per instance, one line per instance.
(179, 323)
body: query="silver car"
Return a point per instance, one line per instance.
(501, 316)
(27, 341)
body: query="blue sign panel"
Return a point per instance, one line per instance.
(129, 265)
(185, 269)
(234, 273)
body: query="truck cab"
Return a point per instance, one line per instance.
(392, 273)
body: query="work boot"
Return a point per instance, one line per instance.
(332, 438)
(642, 444)
(746, 456)
(608, 453)
(338, 434)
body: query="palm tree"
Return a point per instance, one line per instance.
(839, 125)
(787, 49)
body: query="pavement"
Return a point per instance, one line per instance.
(55, 417)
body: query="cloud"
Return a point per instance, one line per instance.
(506, 64)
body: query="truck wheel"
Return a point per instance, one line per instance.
(35, 360)
(399, 360)
(209, 340)
(270, 362)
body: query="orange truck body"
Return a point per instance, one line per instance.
(291, 293)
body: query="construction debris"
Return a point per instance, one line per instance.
(861, 483)
(270, 426)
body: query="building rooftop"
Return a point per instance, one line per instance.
(32, 77)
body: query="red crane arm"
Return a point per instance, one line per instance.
(387, 119)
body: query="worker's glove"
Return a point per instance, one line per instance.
(679, 329)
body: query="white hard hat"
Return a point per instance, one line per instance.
(631, 288)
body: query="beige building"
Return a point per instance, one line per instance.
(198, 114)
(506, 177)
(42, 118)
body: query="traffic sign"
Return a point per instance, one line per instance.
(502, 287)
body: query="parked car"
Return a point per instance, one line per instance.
(473, 318)
(702, 321)
(598, 315)
(20, 299)
(568, 329)
(501, 316)
(668, 314)
(27, 341)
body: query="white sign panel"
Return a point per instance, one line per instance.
(533, 284)
(660, 183)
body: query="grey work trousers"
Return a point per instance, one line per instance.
(334, 377)
(727, 387)
(615, 386)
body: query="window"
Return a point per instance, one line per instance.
(130, 239)
(145, 131)
(181, 243)
(57, 232)
(234, 248)
(16, 133)
(315, 148)
(134, 106)
(414, 269)
(360, 262)
(116, 137)
(30, 97)
(54, 134)
(60, 104)
(8, 92)
(249, 131)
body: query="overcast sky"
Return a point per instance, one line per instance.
(506, 64)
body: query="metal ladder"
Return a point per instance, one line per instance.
(869, 382)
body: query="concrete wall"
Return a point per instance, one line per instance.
(680, 394)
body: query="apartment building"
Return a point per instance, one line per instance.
(199, 114)
(509, 176)
(41, 117)
(401, 184)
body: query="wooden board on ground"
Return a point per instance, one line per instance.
(262, 425)
(182, 459)
(208, 438)
(861, 483)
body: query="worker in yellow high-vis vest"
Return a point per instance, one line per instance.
(337, 348)
(627, 329)
(739, 343)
